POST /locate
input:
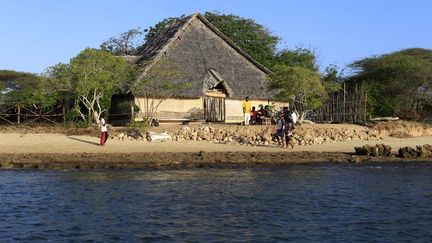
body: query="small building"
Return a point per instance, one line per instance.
(220, 75)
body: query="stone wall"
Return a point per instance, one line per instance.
(264, 135)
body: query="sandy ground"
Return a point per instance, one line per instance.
(59, 143)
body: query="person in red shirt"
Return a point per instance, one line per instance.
(253, 115)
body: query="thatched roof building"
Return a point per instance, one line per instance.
(207, 60)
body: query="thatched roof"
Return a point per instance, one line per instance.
(205, 57)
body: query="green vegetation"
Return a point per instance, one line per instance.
(295, 74)
(90, 78)
(398, 84)
(253, 38)
(18, 87)
(297, 80)
(299, 85)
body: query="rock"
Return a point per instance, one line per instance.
(377, 150)
(425, 151)
(407, 153)
(364, 150)
(383, 150)
(135, 133)
(354, 159)
(422, 151)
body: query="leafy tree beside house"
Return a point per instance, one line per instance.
(297, 79)
(90, 79)
(299, 86)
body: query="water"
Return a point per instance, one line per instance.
(299, 203)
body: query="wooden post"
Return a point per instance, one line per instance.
(64, 112)
(365, 107)
(355, 104)
(132, 105)
(18, 114)
(344, 102)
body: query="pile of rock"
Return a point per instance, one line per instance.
(265, 135)
(422, 151)
(129, 134)
(233, 135)
(255, 135)
(377, 150)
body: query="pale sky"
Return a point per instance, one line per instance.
(35, 34)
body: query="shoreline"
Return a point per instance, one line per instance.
(39, 149)
(179, 160)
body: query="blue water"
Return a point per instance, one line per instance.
(299, 203)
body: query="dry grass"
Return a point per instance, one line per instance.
(403, 129)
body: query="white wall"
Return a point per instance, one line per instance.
(184, 109)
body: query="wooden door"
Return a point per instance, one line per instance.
(214, 109)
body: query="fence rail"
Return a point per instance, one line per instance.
(17, 113)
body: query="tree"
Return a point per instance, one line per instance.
(253, 38)
(18, 86)
(297, 57)
(57, 83)
(332, 79)
(125, 44)
(155, 85)
(153, 30)
(91, 77)
(398, 83)
(300, 85)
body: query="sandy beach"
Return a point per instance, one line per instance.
(59, 151)
(60, 143)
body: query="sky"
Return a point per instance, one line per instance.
(36, 34)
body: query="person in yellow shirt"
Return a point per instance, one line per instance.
(246, 111)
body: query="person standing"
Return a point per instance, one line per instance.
(288, 127)
(246, 110)
(280, 129)
(104, 130)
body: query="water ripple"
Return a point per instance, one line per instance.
(298, 203)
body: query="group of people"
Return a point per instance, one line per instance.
(284, 123)
(285, 126)
(253, 116)
(284, 120)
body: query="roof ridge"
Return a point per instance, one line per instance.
(154, 59)
(215, 30)
(230, 42)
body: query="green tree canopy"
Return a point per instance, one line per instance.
(153, 30)
(398, 83)
(299, 85)
(91, 78)
(297, 57)
(253, 38)
(19, 86)
(17, 80)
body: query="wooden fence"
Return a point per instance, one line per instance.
(347, 106)
(16, 114)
